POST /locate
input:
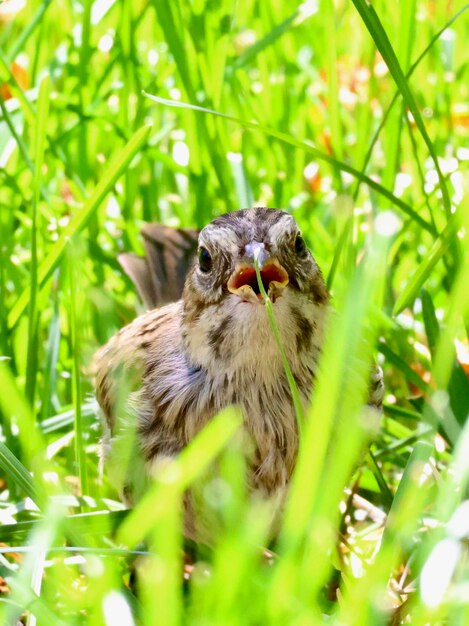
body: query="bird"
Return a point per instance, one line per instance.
(180, 363)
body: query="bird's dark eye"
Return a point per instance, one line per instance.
(205, 260)
(300, 246)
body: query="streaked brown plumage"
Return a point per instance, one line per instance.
(215, 347)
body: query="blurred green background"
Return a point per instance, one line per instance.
(353, 117)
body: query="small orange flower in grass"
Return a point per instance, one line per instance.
(424, 374)
(460, 115)
(353, 78)
(462, 355)
(4, 586)
(21, 75)
(66, 193)
(313, 176)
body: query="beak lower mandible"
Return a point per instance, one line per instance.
(256, 251)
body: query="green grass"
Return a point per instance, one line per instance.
(353, 117)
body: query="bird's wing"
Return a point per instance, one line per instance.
(118, 367)
(159, 276)
(150, 345)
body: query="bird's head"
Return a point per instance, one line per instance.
(225, 325)
(231, 244)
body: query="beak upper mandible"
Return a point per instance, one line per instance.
(255, 251)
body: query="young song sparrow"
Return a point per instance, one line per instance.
(185, 361)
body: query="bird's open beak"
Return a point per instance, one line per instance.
(243, 282)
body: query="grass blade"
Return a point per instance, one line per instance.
(28, 582)
(299, 413)
(177, 476)
(18, 416)
(83, 524)
(16, 472)
(80, 425)
(306, 147)
(432, 328)
(39, 148)
(28, 30)
(412, 69)
(377, 32)
(298, 16)
(417, 280)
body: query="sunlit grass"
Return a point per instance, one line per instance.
(355, 119)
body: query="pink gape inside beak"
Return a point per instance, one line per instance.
(244, 281)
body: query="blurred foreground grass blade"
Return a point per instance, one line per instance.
(312, 513)
(247, 525)
(33, 315)
(116, 168)
(160, 580)
(179, 475)
(26, 586)
(308, 148)
(377, 32)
